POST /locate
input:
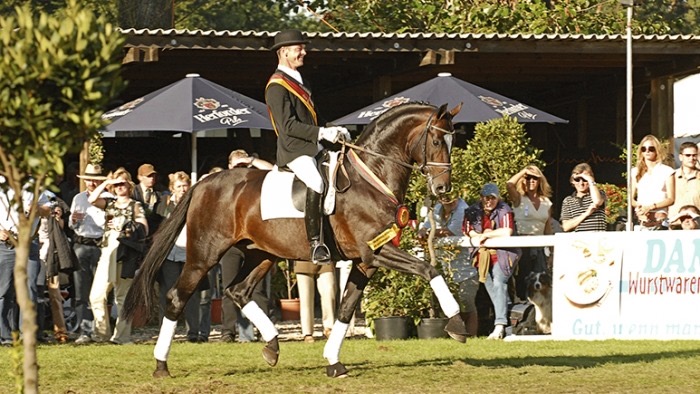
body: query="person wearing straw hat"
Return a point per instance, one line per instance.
(296, 123)
(87, 223)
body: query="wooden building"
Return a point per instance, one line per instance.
(581, 78)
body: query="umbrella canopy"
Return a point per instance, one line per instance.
(189, 105)
(480, 105)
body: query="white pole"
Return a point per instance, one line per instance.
(194, 158)
(629, 118)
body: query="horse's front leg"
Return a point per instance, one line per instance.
(242, 293)
(394, 258)
(351, 298)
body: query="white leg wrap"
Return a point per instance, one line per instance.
(260, 320)
(165, 339)
(447, 301)
(331, 351)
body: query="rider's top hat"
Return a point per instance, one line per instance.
(288, 37)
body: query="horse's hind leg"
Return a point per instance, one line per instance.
(351, 298)
(242, 293)
(177, 299)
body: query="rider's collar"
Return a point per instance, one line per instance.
(292, 73)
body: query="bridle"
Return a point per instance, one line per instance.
(422, 167)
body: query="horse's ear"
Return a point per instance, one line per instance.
(441, 111)
(456, 110)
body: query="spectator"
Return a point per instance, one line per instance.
(492, 218)
(584, 210)
(87, 223)
(231, 263)
(308, 274)
(529, 193)
(449, 219)
(688, 218)
(173, 264)
(151, 199)
(56, 254)
(653, 185)
(114, 269)
(687, 183)
(9, 220)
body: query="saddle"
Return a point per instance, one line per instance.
(283, 195)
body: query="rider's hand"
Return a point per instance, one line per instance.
(344, 134)
(329, 134)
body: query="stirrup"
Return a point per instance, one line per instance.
(320, 253)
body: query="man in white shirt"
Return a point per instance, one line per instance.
(9, 223)
(87, 222)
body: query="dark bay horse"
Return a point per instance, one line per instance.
(223, 211)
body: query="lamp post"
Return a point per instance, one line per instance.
(629, 4)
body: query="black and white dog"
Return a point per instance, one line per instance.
(539, 293)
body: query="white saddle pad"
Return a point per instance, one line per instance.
(276, 196)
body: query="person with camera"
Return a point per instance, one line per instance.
(122, 214)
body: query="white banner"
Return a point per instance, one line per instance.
(637, 285)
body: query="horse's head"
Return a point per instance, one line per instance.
(431, 143)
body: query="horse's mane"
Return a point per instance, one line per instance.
(385, 119)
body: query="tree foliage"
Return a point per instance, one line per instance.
(57, 73)
(513, 16)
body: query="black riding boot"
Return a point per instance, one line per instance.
(312, 217)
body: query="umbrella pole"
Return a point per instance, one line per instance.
(194, 157)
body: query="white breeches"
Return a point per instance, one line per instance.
(304, 167)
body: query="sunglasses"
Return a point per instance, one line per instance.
(648, 148)
(689, 154)
(120, 184)
(685, 217)
(578, 179)
(532, 177)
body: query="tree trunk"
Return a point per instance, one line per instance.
(146, 14)
(28, 311)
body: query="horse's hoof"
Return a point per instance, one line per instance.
(161, 370)
(336, 370)
(271, 352)
(455, 328)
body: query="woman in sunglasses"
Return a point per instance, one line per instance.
(584, 210)
(111, 272)
(653, 185)
(529, 193)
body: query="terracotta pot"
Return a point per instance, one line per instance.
(290, 309)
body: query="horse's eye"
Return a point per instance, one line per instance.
(436, 142)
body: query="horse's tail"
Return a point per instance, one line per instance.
(141, 291)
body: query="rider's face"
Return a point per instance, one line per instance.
(293, 56)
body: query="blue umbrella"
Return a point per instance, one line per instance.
(189, 105)
(480, 105)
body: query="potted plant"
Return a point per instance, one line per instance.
(284, 285)
(395, 302)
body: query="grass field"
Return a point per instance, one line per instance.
(413, 366)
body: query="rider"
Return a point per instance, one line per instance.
(296, 123)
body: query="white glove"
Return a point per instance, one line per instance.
(344, 133)
(329, 134)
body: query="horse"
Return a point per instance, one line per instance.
(223, 211)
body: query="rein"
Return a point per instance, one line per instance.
(376, 182)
